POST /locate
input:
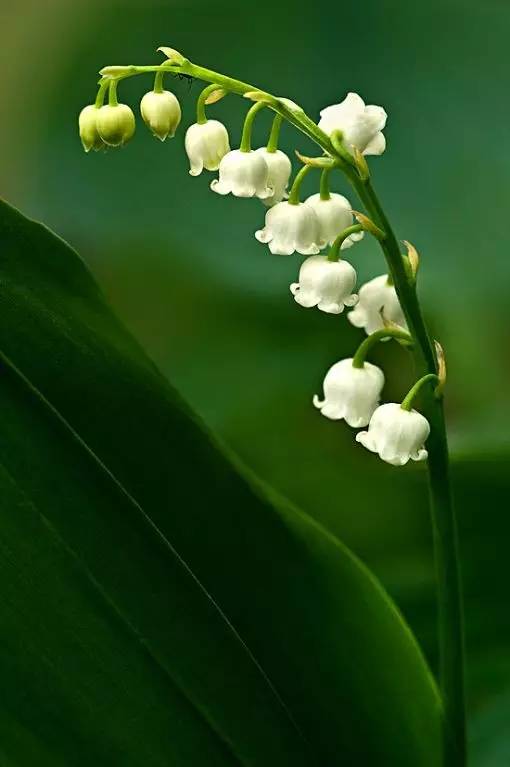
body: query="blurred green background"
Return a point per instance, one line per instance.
(213, 308)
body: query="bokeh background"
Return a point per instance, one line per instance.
(212, 307)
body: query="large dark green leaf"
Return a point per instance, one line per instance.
(111, 650)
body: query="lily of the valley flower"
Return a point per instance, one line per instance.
(334, 215)
(243, 174)
(89, 134)
(206, 144)
(396, 434)
(115, 124)
(290, 227)
(325, 284)
(377, 300)
(161, 112)
(280, 168)
(360, 125)
(351, 393)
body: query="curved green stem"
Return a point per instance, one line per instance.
(158, 82)
(274, 136)
(450, 618)
(204, 95)
(112, 94)
(245, 145)
(324, 184)
(296, 186)
(449, 590)
(408, 401)
(334, 252)
(374, 338)
(101, 93)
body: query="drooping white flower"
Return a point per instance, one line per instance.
(397, 435)
(115, 124)
(243, 174)
(290, 227)
(351, 393)
(89, 134)
(361, 125)
(161, 113)
(325, 284)
(206, 144)
(377, 299)
(334, 216)
(280, 168)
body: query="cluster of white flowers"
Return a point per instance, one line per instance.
(352, 387)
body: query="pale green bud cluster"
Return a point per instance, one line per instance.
(103, 126)
(114, 124)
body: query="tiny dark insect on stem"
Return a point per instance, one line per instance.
(188, 78)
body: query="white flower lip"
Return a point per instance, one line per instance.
(161, 112)
(243, 174)
(377, 299)
(397, 435)
(334, 216)
(351, 393)
(206, 144)
(280, 168)
(325, 284)
(290, 228)
(361, 125)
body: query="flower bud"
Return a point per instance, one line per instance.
(87, 123)
(206, 144)
(116, 124)
(289, 228)
(397, 435)
(378, 301)
(161, 113)
(351, 393)
(325, 284)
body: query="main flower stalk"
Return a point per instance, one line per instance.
(450, 618)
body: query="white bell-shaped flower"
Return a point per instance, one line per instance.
(351, 393)
(206, 144)
(397, 435)
(290, 227)
(243, 174)
(280, 168)
(361, 125)
(161, 113)
(377, 299)
(115, 124)
(334, 215)
(325, 284)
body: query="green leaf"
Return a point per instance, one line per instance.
(161, 606)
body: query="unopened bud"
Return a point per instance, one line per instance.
(173, 56)
(369, 225)
(161, 113)
(89, 134)
(413, 258)
(115, 124)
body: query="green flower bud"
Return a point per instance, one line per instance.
(89, 133)
(116, 124)
(161, 113)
